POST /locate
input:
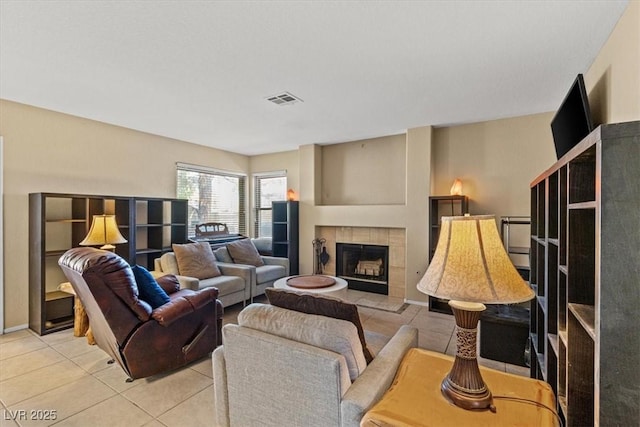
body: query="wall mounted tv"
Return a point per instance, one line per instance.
(573, 121)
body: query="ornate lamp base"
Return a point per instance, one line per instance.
(464, 386)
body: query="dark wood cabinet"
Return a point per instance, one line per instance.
(585, 246)
(440, 206)
(285, 232)
(58, 222)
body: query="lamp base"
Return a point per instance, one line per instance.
(464, 386)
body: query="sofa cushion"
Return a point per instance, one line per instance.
(243, 252)
(196, 260)
(225, 284)
(269, 273)
(320, 305)
(169, 264)
(222, 255)
(149, 290)
(331, 334)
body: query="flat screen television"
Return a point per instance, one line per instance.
(573, 121)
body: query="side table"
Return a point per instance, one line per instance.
(414, 398)
(81, 326)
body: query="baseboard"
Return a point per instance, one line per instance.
(422, 303)
(15, 328)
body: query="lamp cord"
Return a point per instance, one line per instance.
(532, 402)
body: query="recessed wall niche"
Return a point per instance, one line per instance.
(365, 172)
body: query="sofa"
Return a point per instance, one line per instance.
(146, 326)
(234, 284)
(265, 270)
(280, 367)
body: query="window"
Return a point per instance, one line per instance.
(214, 196)
(268, 188)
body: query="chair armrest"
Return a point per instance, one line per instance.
(187, 282)
(220, 392)
(376, 379)
(275, 260)
(170, 312)
(240, 270)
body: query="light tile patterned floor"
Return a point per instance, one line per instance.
(61, 372)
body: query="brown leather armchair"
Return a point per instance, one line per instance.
(144, 341)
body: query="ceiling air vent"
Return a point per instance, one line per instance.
(285, 98)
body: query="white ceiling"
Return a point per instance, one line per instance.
(200, 71)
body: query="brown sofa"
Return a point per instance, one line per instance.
(144, 341)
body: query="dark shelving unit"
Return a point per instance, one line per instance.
(58, 222)
(285, 232)
(584, 271)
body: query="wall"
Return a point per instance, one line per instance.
(365, 172)
(45, 151)
(613, 80)
(496, 161)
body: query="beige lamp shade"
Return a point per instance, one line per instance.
(470, 264)
(456, 188)
(104, 231)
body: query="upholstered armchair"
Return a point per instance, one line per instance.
(282, 367)
(265, 270)
(184, 325)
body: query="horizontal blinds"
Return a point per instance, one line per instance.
(214, 196)
(268, 188)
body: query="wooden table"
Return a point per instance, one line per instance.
(338, 290)
(415, 400)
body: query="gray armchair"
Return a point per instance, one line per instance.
(262, 276)
(279, 367)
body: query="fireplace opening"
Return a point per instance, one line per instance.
(364, 267)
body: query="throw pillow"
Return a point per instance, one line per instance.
(169, 283)
(324, 306)
(196, 260)
(169, 264)
(222, 255)
(148, 288)
(244, 252)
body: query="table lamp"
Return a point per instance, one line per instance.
(104, 231)
(471, 268)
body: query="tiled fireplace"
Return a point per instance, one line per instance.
(392, 238)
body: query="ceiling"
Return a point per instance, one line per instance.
(200, 71)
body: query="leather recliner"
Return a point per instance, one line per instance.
(144, 341)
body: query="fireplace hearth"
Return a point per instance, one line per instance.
(364, 267)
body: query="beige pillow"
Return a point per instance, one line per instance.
(169, 264)
(196, 260)
(244, 252)
(336, 335)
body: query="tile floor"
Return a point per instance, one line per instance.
(61, 373)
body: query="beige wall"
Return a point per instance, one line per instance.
(46, 151)
(496, 161)
(364, 172)
(613, 80)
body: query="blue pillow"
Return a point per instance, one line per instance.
(148, 288)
